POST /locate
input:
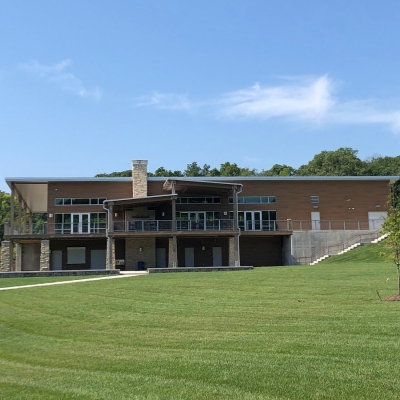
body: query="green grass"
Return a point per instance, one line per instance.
(272, 333)
(9, 282)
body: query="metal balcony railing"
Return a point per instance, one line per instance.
(193, 225)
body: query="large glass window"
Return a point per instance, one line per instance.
(80, 223)
(78, 202)
(254, 199)
(198, 200)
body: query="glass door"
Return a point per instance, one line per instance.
(252, 220)
(197, 220)
(80, 223)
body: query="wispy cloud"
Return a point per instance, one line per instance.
(59, 76)
(166, 101)
(306, 100)
(302, 99)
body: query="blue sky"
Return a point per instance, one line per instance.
(87, 86)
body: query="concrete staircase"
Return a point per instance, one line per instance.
(348, 245)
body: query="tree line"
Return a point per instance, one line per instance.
(341, 162)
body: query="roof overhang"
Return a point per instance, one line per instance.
(196, 187)
(139, 201)
(33, 193)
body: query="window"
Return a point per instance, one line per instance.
(254, 199)
(198, 200)
(80, 223)
(314, 199)
(76, 202)
(76, 255)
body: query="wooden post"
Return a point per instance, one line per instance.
(30, 223)
(19, 213)
(12, 200)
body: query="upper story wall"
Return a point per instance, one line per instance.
(338, 200)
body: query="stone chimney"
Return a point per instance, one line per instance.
(139, 178)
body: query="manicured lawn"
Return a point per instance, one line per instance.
(9, 282)
(273, 333)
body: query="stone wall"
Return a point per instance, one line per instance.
(231, 251)
(45, 255)
(139, 178)
(112, 254)
(6, 256)
(133, 254)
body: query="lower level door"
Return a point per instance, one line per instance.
(98, 259)
(189, 257)
(375, 219)
(56, 260)
(217, 256)
(315, 221)
(161, 258)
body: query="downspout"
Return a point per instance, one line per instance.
(237, 219)
(109, 252)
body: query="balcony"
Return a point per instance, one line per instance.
(165, 226)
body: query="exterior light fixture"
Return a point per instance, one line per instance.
(203, 247)
(140, 248)
(378, 206)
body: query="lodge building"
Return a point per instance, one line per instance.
(142, 222)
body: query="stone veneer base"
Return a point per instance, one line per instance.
(197, 269)
(27, 274)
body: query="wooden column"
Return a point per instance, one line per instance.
(30, 223)
(19, 213)
(12, 201)
(25, 220)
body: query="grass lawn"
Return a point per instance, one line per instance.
(302, 332)
(9, 282)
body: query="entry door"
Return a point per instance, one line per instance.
(189, 257)
(98, 259)
(56, 260)
(315, 221)
(197, 220)
(252, 220)
(80, 223)
(217, 256)
(161, 257)
(375, 219)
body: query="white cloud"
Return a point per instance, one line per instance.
(302, 99)
(58, 76)
(311, 99)
(167, 101)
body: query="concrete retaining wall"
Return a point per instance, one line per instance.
(30, 274)
(196, 269)
(306, 243)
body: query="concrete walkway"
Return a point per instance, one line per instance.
(123, 274)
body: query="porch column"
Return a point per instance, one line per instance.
(231, 251)
(25, 219)
(172, 252)
(236, 248)
(110, 254)
(30, 223)
(18, 260)
(19, 213)
(45, 255)
(12, 202)
(6, 256)
(173, 247)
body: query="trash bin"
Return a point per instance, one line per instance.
(140, 265)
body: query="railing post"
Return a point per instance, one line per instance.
(301, 225)
(344, 225)
(358, 224)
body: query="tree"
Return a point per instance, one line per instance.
(279, 170)
(4, 211)
(392, 226)
(382, 166)
(341, 162)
